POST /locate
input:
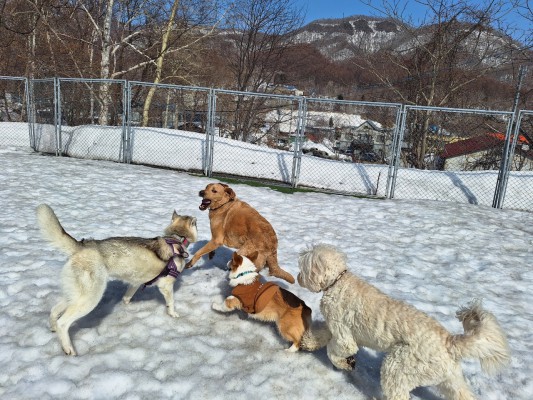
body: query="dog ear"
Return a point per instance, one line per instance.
(230, 192)
(252, 257)
(236, 259)
(174, 215)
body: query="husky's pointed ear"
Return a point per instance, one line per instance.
(174, 215)
(229, 191)
(252, 257)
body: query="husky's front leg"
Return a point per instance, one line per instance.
(132, 289)
(166, 287)
(229, 304)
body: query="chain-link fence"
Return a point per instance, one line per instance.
(13, 111)
(254, 135)
(168, 126)
(44, 111)
(450, 154)
(92, 118)
(518, 184)
(361, 148)
(347, 146)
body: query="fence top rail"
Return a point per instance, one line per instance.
(42, 80)
(13, 78)
(92, 80)
(353, 102)
(525, 112)
(458, 110)
(256, 94)
(168, 86)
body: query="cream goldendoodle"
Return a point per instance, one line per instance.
(420, 351)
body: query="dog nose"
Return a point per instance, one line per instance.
(201, 193)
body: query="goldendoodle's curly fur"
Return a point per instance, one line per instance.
(420, 351)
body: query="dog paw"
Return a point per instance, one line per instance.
(188, 265)
(69, 351)
(292, 349)
(217, 307)
(351, 361)
(346, 364)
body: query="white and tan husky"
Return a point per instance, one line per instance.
(134, 260)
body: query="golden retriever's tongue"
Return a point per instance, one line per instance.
(205, 204)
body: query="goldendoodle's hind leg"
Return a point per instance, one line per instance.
(399, 374)
(455, 387)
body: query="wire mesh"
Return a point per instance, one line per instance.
(181, 118)
(451, 155)
(519, 188)
(263, 128)
(477, 156)
(13, 111)
(353, 141)
(92, 118)
(43, 110)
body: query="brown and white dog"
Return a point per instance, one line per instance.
(265, 301)
(236, 224)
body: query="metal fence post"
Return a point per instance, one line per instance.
(210, 132)
(28, 113)
(300, 131)
(505, 166)
(126, 138)
(57, 116)
(397, 151)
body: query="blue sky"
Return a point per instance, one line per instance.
(321, 9)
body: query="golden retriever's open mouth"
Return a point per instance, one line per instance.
(205, 204)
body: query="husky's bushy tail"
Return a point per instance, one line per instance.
(52, 230)
(483, 338)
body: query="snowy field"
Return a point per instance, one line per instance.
(434, 255)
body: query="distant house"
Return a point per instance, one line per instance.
(368, 137)
(483, 152)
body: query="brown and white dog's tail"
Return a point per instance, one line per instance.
(52, 230)
(483, 339)
(316, 337)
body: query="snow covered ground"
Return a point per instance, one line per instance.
(434, 255)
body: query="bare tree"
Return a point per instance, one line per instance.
(260, 34)
(179, 38)
(440, 55)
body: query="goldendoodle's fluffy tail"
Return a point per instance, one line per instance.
(483, 338)
(316, 337)
(52, 230)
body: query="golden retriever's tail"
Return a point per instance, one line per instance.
(52, 230)
(483, 338)
(316, 337)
